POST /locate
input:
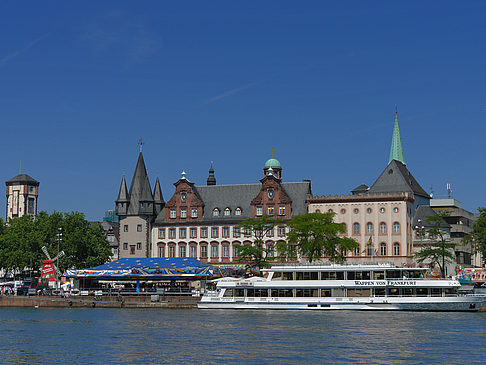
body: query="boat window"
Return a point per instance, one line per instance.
(306, 292)
(393, 292)
(239, 292)
(228, 293)
(421, 292)
(338, 292)
(378, 275)
(250, 292)
(379, 292)
(436, 292)
(282, 293)
(328, 275)
(393, 274)
(325, 292)
(288, 276)
(340, 275)
(450, 292)
(351, 275)
(306, 275)
(413, 274)
(407, 292)
(362, 275)
(359, 292)
(277, 275)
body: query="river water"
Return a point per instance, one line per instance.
(192, 336)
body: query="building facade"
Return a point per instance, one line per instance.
(22, 192)
(203, 221)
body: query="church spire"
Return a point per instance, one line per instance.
(396, 151)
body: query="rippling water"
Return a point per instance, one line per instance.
(128, 336)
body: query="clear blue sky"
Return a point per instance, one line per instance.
(226, 81)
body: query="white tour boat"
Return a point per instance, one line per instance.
(350, 287)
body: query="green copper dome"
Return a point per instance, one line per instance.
(272, 163)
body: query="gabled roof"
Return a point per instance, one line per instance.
(22, 179)
(396, 178)
(240, 196)
(140, 190)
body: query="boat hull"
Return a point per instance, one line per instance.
(443, 304)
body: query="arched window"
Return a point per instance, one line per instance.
(318, 210)
(355, 228)
(369, 228)
(369, 249)
(238, 211)
(227, 211)
(396, 249)
(396, 227)
(270, 250)
(356, 251)
(345, 228)
(383, 228)
(215, 212)
(383, 249)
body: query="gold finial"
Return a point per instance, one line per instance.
(273, 150)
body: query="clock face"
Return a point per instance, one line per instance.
(183, 197)
(270, 193)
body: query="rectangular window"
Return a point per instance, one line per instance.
(247, 232)
(225, 231)
(172, 213)
(259, 211)
(194, 212)
(281, 210)
(225, 251)
(270, 210)
(183, 213)
(139, 245)
(193, 251)
(125, 228)
(193, 232)
(204, 251)
(125, 246)
(172, 232)
(182, 233)
(214, 251)
(162, 233)
(204, 232)
(236, 231)
(139, 228)
(281, 231)
(132, 249)
(161, 251)
(214, 232)
(270, 233)
(182, 251)
(171, 251)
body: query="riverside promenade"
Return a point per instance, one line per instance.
(100, 302)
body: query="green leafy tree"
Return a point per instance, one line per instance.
(440, 250)
(257, 254)
(21, 240)
(315, 235)
(477, 238)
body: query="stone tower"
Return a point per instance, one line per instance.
(22, 192)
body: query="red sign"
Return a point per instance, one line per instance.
(48, 270)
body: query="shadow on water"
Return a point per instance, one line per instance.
(116, 336)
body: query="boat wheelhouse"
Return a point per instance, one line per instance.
(351, 287)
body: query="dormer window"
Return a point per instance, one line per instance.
(215, 212)
(227, 212)
(238, 211)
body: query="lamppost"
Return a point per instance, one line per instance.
(59, 239)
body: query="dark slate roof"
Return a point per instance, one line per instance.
(123, 193)
(360, 189)
(140, 187)
(422, 212)
(396, 178)
(158, 198)
(22, 179)
(240, 196)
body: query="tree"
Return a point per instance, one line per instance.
(21, 240)
(315, 235)
(440, 250)
(477, 238)
(257, 254)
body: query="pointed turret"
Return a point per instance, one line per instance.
(141, 198)
(396, 151)
(211, 179)
(158, 198)
(123, 200)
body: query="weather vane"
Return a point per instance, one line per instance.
(141, 143)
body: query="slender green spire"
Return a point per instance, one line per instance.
(396, 151)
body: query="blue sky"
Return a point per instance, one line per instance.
(227, 81)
